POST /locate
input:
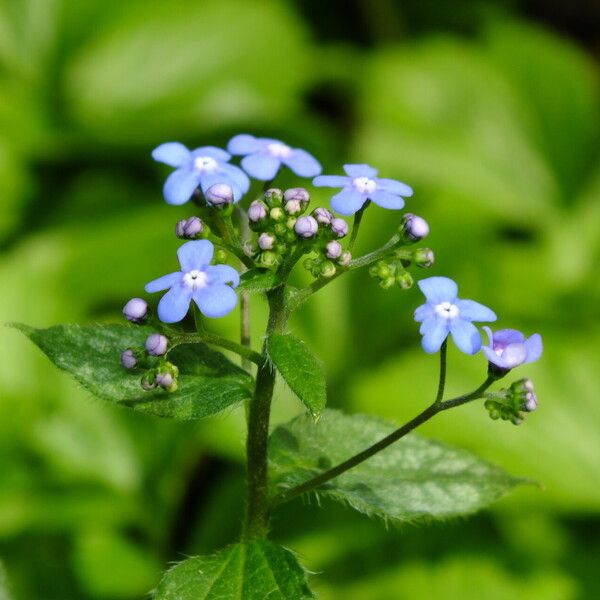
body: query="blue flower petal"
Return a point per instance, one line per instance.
(331, 181)
(212, 152)
(173, 154)
(360, 171)
(348, 201)
(395, 187)
(534, 347)
(243, 144)
(180, 185)
(514, 355)
(238, 176)
(507, 336)
(425, 311)
(434, 333)
(195, 255)
(387, 200)
(473, 311)
(215, 300)
(439, 289)
(163, 283)
(302, 163)
(173, 306)
(261, 166)
(465, 336)
(223, 274)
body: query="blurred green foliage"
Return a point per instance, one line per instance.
(493, 121)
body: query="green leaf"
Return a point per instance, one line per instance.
(4, 593)
(412, 478)
(248, 571)
(301, 370)
(208, 381)
(257, 280)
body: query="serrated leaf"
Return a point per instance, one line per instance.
(208, 381)
(301, 370)
(248, 571)
(412, 478)
(257, 280)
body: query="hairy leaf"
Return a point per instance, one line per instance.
(248, 571)
(412, 478)
(301, 370)
(208, 381)
(257, 280)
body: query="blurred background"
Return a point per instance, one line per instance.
(489, 109)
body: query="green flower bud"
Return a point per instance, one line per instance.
(220, 255)
(277, 214)
(273, 197)
(404, 280)
(388, 282)
(327, 269)
(269, 259)
(423, 257)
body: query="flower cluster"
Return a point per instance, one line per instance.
(513, 403)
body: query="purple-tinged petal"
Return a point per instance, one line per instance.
(261, 166)
(215, 300)
(473, 311)
(222, 274)
(534, 347)
(238, 176)
(302, 163)
(243, 144)
(435, 332)
(173, 306)
(173, 154)
(439, 289)
(387, 200)
(360, 171)
(513, 355)
(503, 337)
(465, 336)
(331, 181)
(217, 154)
(492, 356)
(195, 255)
(348, 201)
(163, 283)
(395, 187)
(425, 311)
(490, 336)
(180, 186)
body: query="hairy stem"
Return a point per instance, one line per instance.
(399, 433)
(356, 225)
(216, 340)
(442, 380)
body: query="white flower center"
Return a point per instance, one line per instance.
(446, 310)
(205, 164)
(195, 279)
(364, 185)
(279, 150)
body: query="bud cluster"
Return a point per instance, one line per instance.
(510, 404)
(390, 273)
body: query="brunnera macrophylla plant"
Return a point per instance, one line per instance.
(167, 362)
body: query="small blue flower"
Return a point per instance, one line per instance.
(508, 348)
(360, 185)
(445, 313)
(263, 157)
(202, 167)
(199, 281)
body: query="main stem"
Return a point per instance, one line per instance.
(256, 522)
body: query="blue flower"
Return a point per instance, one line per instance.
(445, 313)
(199, 281)
(263, 157)
(508, 348)
(360, 185)
(202, 167)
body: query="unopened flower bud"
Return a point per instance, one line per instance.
(333, 250)
(293, 207)
(266, 241)
(530, 403)
(404, 280)
(339, 227)
(136, 310)
(423, 257)
(129, 359)
(273, 197)
(345, 259)
(306, 227)
(189, 229)
(148, 380)
(164, 380)
(166, 377)
(257, 211)
(387, 283)
(220, 255)
(327, 269)
(277, 214)
(297, 194)
(156, 344)
(269, 259)
(280, 229)
(219, 194)
(414, 228)
(322, 216)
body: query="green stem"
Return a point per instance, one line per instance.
(442, 380)
(432, 410)
(356, 225)
(215, 340)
